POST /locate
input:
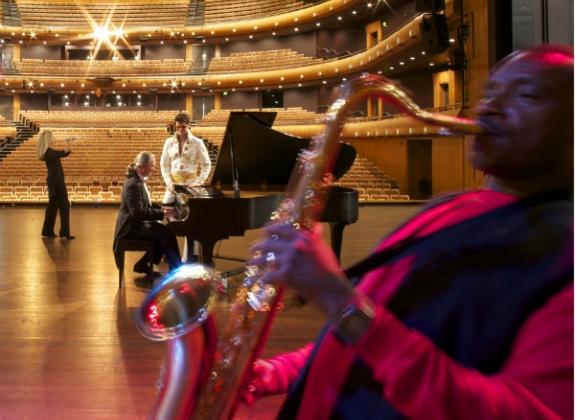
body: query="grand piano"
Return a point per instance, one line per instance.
(260, 160)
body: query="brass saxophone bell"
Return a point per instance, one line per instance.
(179, 303)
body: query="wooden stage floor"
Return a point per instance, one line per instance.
(69, 348)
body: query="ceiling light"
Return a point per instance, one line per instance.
(318, 24)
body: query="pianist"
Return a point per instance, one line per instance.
(139, 218)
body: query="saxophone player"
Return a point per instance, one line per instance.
(466, 310)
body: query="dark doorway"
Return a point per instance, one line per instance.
(419, 169)
(272, 99)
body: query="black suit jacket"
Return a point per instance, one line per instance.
(55, 178)
(135, 210)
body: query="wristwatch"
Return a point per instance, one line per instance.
(354, 321)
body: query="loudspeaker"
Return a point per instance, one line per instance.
(429, 6)
(434, 33)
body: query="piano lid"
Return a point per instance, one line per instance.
(264, 157)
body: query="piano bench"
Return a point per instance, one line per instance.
(125, 245)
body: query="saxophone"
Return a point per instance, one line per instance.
(207, 370)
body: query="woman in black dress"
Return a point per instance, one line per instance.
(57, 193)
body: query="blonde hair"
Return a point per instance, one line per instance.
(42, 144)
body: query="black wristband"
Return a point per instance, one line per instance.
(354, 321)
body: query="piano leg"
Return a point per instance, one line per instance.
(206, 250)
(336, 235)
(188, 255)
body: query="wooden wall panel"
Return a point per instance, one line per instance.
(472, 177)
(450, 167)
(477, 48)
(447, 164)
(389, 154)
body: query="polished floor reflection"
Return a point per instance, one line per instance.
(69, 348)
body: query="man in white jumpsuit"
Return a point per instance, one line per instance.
(185, 160)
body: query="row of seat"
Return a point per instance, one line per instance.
(34, 13)
(285, 116)
(102, 67)
(257, 60)
(113, 194)
(77, 194)
(7, 131)
(218, 11)
(99, 118)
